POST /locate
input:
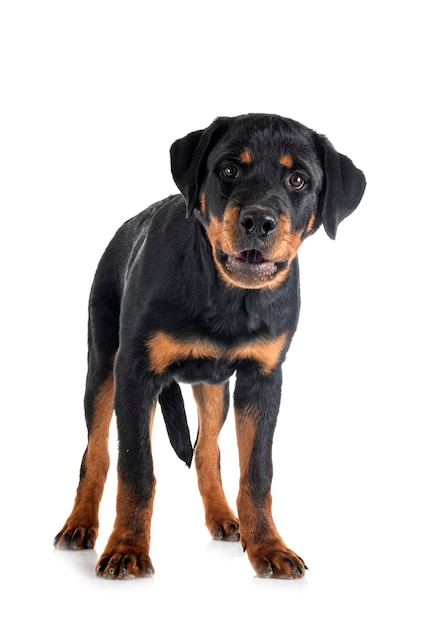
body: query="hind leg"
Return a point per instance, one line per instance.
(81, 528)
(126, 554)
(212, 402)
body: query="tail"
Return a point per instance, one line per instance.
(175, 418)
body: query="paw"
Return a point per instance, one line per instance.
(76, 538)
(124, 563)
(222, 523)
(275, 561)
(224, 530)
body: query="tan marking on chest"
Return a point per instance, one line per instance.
(164, 351)
(265, 352)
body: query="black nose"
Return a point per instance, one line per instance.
(258, 222)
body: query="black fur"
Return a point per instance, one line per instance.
(198, 287)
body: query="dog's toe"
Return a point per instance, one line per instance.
(124, 565)
(76, 538)
(225, 530)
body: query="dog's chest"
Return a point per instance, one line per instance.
(202, 360)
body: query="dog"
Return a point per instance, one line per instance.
(197, 288)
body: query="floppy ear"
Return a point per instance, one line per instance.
(344, 186)
(188, 159)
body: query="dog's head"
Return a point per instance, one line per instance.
(260, 184)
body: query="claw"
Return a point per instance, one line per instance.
(219, 534)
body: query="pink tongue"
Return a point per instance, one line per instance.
(258, 267)
(250, 256)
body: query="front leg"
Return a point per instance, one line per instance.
(212, 403)
(257, 402)
(127, 552)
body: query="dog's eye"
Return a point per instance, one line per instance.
(297, 181)
(230, 171)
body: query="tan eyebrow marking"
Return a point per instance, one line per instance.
(287, 160)
(245, 156)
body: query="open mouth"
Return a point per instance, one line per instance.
(249, 267)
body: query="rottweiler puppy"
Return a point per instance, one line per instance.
(197, 288)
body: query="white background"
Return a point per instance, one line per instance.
(93, 94)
